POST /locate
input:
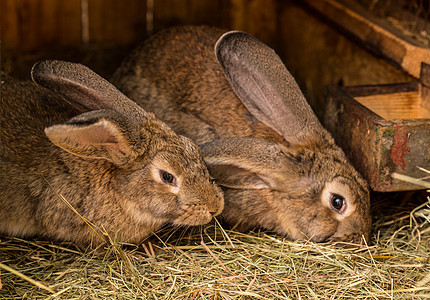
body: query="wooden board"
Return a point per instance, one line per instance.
(27, 24)
(378, 147)
(116, 22)
(38, 24)
(383, 39)
(396, 106)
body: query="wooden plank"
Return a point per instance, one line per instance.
(190, 12)
(34, 24)
(425, 96)
(37, 24)
(318, 55)
(396, 106)
(116, 22)
(386, 41)
(379, 89)
(9, 24)
(256, 17)
(425, 74)
(375, 146)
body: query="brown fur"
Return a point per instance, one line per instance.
(111, 148)
(261, 140)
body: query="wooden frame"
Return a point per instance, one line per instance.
(378, 147)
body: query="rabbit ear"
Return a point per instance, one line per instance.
(83, 88)
(265, 87)
(244, 163)
(102, 134)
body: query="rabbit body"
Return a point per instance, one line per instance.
(175, 75)
(279, 168)
(105, 156)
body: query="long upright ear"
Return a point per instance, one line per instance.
(83, 88)
(101, 134)
(244, 163)
(266, 88)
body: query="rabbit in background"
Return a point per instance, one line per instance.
(119, 167)
(279, 168)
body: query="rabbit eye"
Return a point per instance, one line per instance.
(167, 178)
(337, 202)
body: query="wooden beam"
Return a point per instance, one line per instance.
(399, 49)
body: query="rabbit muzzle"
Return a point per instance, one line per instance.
(353, 230)
(199, 208)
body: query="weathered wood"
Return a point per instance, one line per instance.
(425, 74)
(256, 17)
(190, 12)
(116, 22)
(395, 106)
(378, 147)
(28, 24)
(318, 55)
(381, 89)
(40, 24)
(399, 49)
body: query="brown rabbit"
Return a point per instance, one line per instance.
(121, 169)
(279, 168)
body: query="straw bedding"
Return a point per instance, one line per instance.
(214, 263)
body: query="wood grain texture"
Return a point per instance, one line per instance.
(28, 24)
(396, 105)
(378, 147)
(116, 22)
(390, 43)
(256, 17)
(38, 24)
(190, 12)
(318, 55)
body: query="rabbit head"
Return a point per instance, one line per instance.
(117, 165)
(310, 188)
(302, 192)
(279, 168)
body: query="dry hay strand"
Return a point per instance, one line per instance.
(214, 263)
(211, 262)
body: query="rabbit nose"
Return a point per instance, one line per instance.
(213, 210)
(216, 207)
